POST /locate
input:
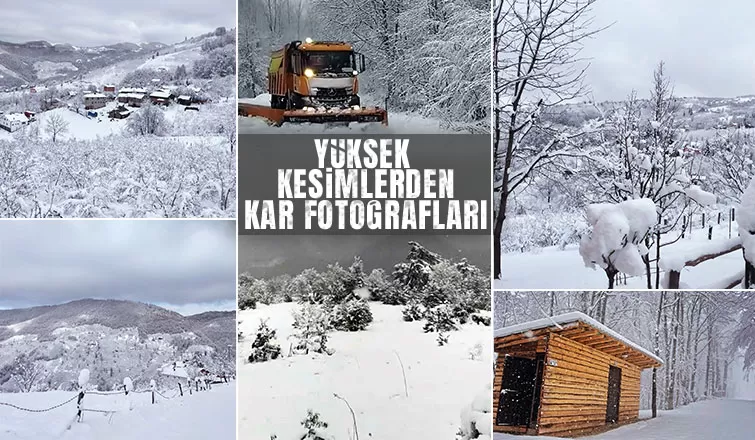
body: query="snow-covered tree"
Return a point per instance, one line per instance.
(264, 346)
(56, 125)
(26, 372)
(311, 324)
(148, 120)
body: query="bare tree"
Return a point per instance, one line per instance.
(536, 47)
(56, 126)
(148, 120)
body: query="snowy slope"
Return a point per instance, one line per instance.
(199, 416)
(708, 420)
(274, 396)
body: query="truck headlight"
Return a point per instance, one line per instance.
(309, 73)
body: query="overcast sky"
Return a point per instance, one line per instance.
(186, 266)
(707, 47)
(100, 22)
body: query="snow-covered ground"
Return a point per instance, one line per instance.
(203, 415)
(708, 420)
(442, 381)
(565, 268)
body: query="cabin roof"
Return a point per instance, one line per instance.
(587, 331)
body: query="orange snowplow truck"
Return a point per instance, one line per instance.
(315, 81)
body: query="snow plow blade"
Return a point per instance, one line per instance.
(278, 117)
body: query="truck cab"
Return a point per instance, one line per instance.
(315, 74)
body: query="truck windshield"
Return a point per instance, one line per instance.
(330, 61)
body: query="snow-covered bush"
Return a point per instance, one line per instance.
(440, 319)
(220, 61)
(413, 311)
(148, 120)
(477, 417)
(246, 299)
(311, 324)
(264, 347)
(526, 232)
(314, 427)
(616, 241)
(352, 315)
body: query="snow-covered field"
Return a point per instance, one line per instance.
(365, 369)
(565, 268)
(708, 420)
(203, 415)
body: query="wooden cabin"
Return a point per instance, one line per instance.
(566, 376)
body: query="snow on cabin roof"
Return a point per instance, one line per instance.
(131, 95)
(569, 318)
(184, 97)
(160, 94)
(133, 90)
(94, 95)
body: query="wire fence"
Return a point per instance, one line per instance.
(166, 394)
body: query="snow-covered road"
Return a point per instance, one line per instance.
(709, 420)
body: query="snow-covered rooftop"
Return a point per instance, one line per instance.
(16, 117)
(94, 95)
(184, 97)
(568, 318)
(133, 90)
(160, 94)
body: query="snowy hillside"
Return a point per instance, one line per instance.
(367, 369)
(199, 416)
(113, 339)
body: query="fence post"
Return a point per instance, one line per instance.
(152, 386)
(180, 389)
(83, 382)
(79, 402)
(703, 220)
(719, 217)
(710, 232)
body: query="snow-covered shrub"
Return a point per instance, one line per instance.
(376, 284)
(264, 347)
(477, 417)
(246, 299)
(300, 287)
(616, 241)
(220, 61)
(393, 294)
(352, 315)
(746, 222)
(413, 312)
(481, 319)
(315, 427)
(526, 232)
(440, 319)
(311, 324)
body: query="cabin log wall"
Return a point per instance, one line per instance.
(575, 390)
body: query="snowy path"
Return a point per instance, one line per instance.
(199, 416)
(553, 268)
(274, 396)
(709, 420)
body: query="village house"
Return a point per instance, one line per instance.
(184, 100)
(160, 97)
(95, 100)
(566, 376)
(131, 96)
(108, 88)
(13, 121)
(120, 112)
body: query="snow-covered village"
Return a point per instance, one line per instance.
(624, 171)
(393, 346)
(118, 350)
(103, 127)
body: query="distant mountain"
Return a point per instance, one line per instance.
(268, 256)
(114, 338)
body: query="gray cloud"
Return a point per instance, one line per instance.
(99, 22)
(183, 265)
(707, 47)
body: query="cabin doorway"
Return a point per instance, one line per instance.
(519, 401)
(614, 395)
